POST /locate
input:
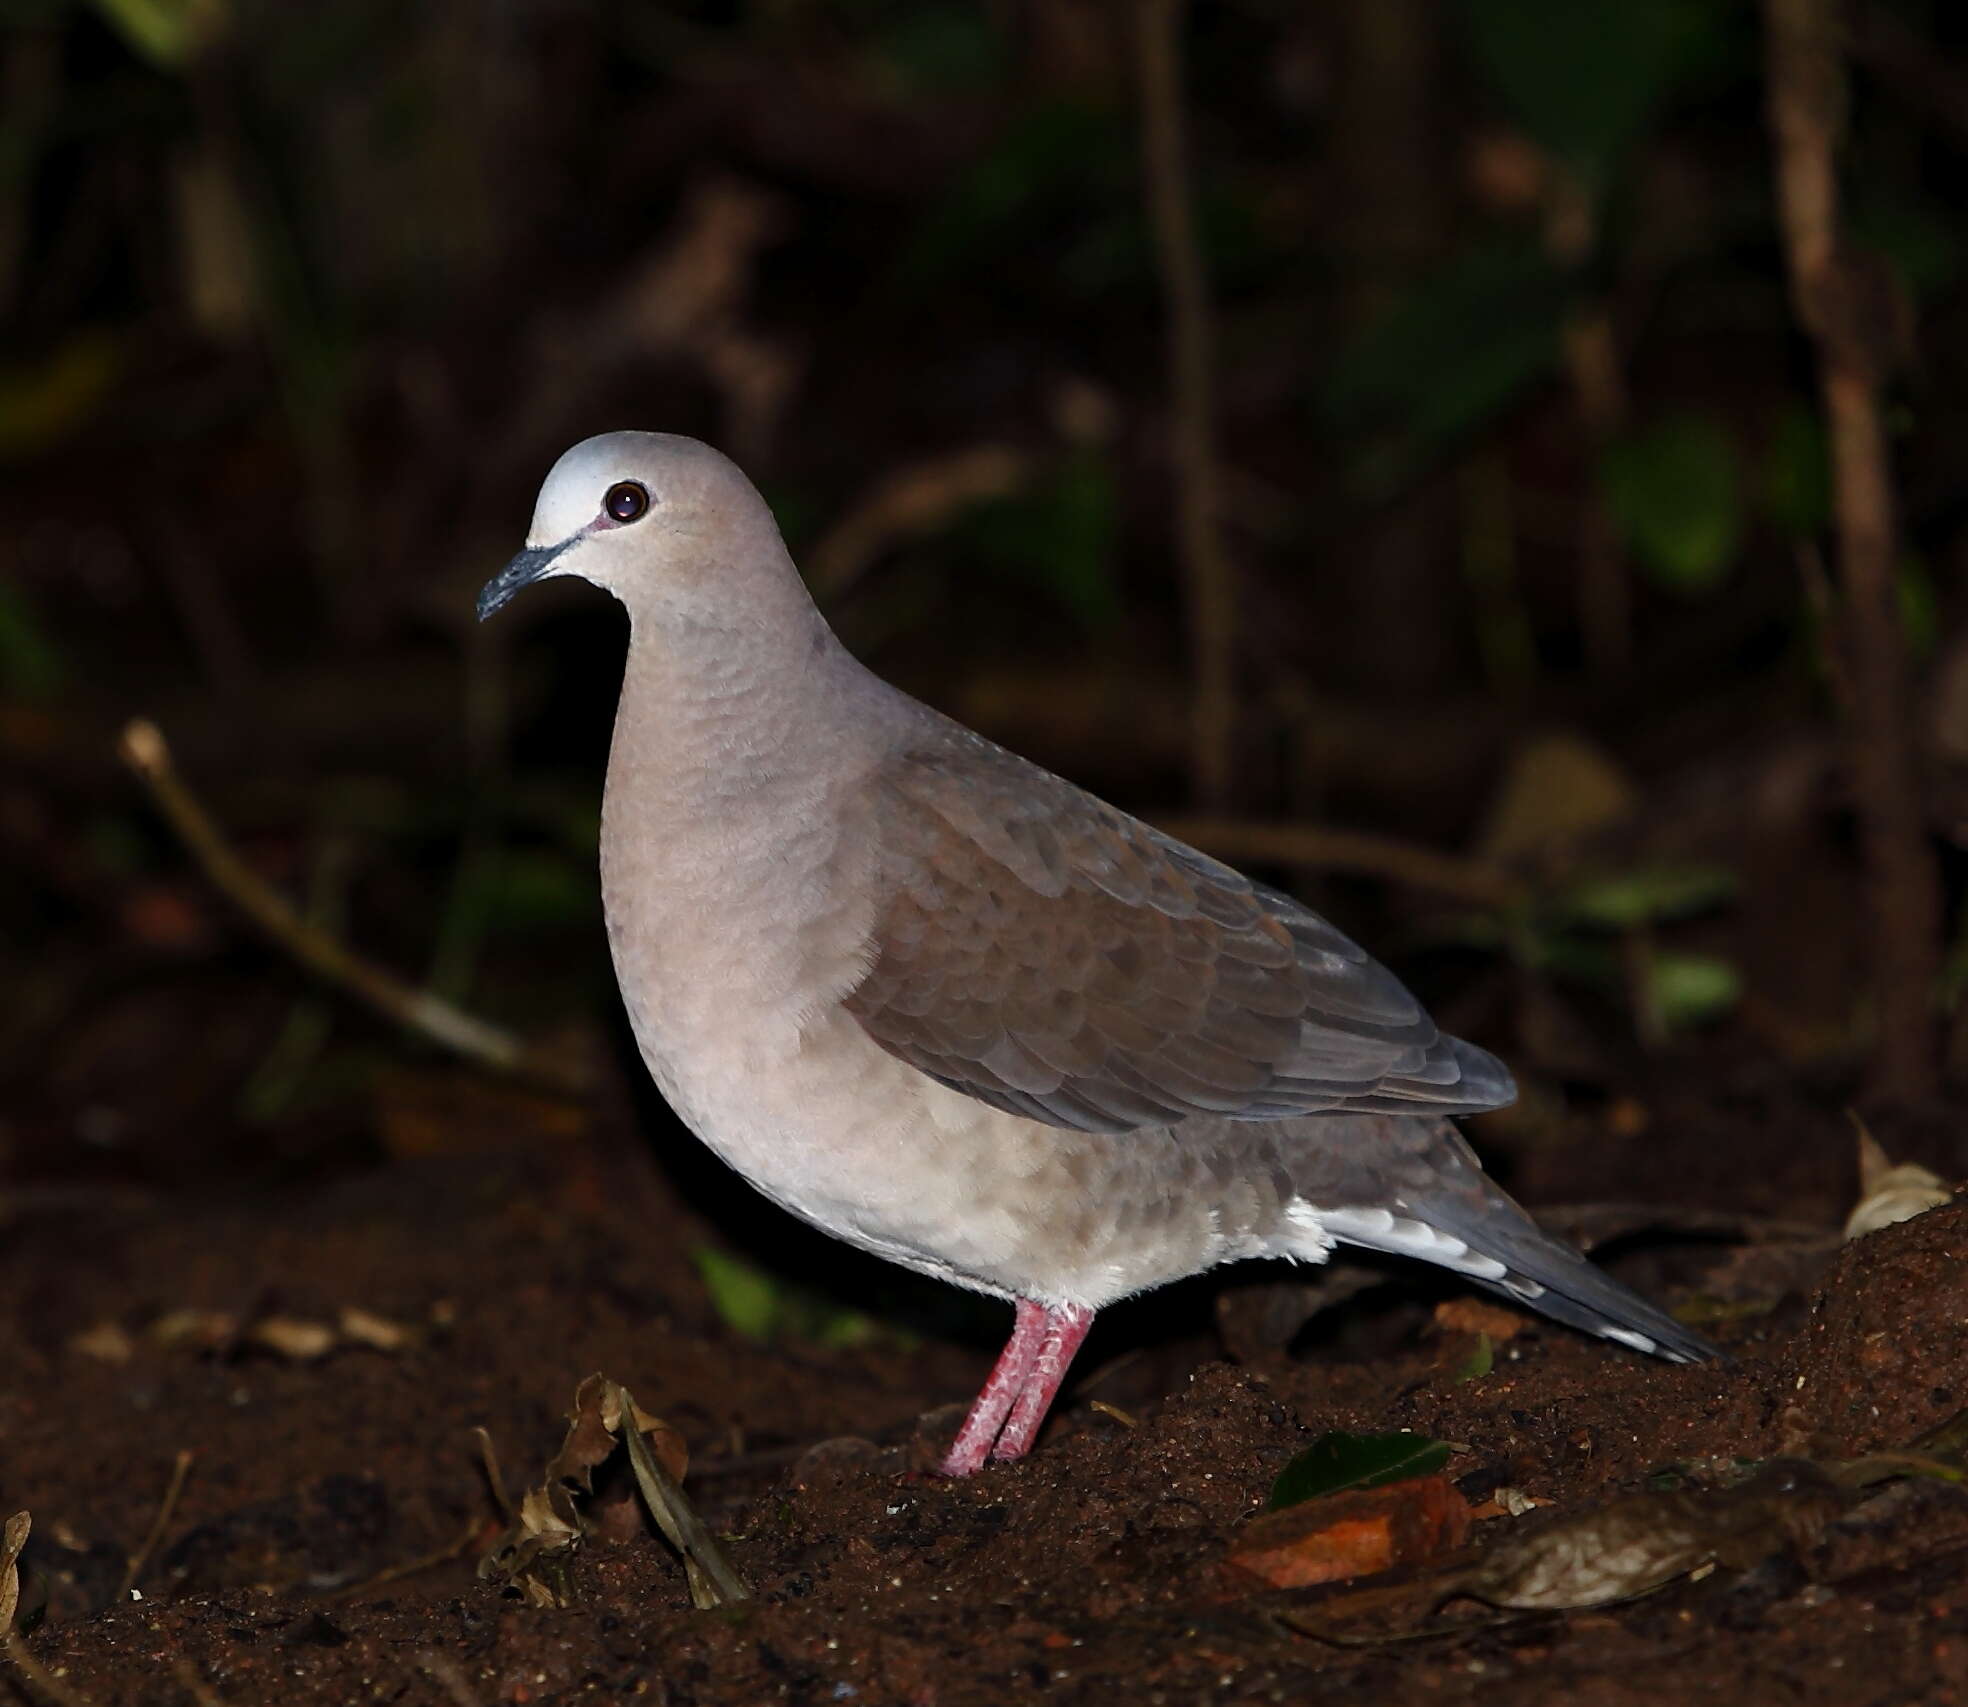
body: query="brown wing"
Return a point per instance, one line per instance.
(1052, 956)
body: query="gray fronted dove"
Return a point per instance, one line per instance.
(956, 1011)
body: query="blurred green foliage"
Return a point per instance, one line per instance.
(31, 662)
(1056, 191)
(1645, 895)
(1454, 352)
(166, 32)
(1059, 537)
(938, 47)
(44, 401)
(1672, 490)
(1585, 78)
(766, 1307)
(1797, 474)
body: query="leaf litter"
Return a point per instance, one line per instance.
(549, 1523)
(1640, 1543)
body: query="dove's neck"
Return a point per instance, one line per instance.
(720, 709)
(733, 835)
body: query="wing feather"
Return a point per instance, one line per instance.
(1041, 951)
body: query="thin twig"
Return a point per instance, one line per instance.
(488, 1459)
(1349, 850)
(410, 1567)
(180, 1469)
(144, 750)
(1209, 576)
(907, 503)
(1851, 330)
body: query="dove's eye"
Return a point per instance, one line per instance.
(627, 500)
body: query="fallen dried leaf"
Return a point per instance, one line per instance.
(1889, 1194)
(12, 1539)
(1352, 1534)
(292, 1337)
(713, 1580)
(205, 1329)
(1473, 1316)
(379, 1333)
(106, 1342)
(1638, 1544)
(1507, 1502)
(549, 1521)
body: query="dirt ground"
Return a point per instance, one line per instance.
(323, 1545)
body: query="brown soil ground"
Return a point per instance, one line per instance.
(1093, 1572)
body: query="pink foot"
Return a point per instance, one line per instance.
(1005, 1419)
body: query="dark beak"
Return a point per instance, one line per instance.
(522, 571)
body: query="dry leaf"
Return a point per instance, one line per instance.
(1638, 1544)
(549, 1521)
(106, 1342)
(293, 1337)
(1352, 1534)
(207, 1330)
(1889, 1194)
(12, 1539)
(378, 1333)
(1473, 1316)
(1557, 791)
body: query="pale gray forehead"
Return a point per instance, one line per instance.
(674, 468)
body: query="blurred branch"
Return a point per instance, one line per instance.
(1850, 322)
(1348, 850)
(1590, 347)
(1209, 576)
(143, 749)
(913, 500)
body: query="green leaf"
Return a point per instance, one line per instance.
(762, 1306)
(1480, 1361)
(1672, 491)
(745, 1298)
(1690, 990)
(1646, 895)
(1337, 1461)
(166, 32)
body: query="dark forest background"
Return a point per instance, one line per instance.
(1411, 448)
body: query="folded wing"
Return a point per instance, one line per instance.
(1052, 956)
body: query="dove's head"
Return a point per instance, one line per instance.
(666, 524)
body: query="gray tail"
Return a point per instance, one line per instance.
(1554, 1279)
(1453, 1215)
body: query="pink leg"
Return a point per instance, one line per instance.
(1065, 1326)
(1007, 1380)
